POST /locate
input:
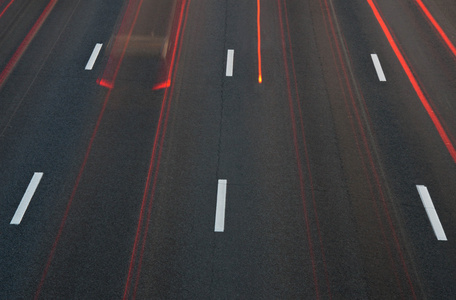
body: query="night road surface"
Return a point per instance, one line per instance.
(197, 149)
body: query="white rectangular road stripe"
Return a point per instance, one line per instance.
(378, 67)
(20, 211)
(94, 56)
(229, 63)
(220, 210)
(431, 212)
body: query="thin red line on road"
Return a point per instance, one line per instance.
(152, 175)
(25, 43)
(437, 27)
(23, 205)
(438, 125)
(6, 8)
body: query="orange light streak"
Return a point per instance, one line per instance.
(437, 27)
(414, 82)
(260, 76)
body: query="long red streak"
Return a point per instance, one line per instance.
(437, 27)
(298, 158)
(260, 75)
(28, 38)
(78, 179)
(414, 82)
(151, 165)
(305, 148)
(7, 6)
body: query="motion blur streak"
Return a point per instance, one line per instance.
(162, 85)
(159, 136)
(6, 8)
(114, 61)
(260, 76)
(25, 43)
(414, 82)
(437, 27)
(298, 157)
(298, 101)
(73, 193)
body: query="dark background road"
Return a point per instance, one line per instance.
(321, 158)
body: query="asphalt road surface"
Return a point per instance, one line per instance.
(231, 149)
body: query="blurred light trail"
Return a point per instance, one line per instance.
(25, 43)
(6, 8)
(260, 76)
(414, 82)
(437, 27)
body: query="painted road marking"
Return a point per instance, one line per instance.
(94, 56)
(378, 67)
(17, 218)
(220, 210)
(431, 212)
(229, 63)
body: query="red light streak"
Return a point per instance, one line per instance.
(414, 82)
(25, 43)
(437, 27)
(72, 196)
(298, 101)
(260, 76)
(159, 138)
(6, 7)
(369, 155)
(162, 85)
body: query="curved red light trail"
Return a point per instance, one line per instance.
(438, 125)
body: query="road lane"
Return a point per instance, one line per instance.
(46, 118)
(410, 148)
(322, 160)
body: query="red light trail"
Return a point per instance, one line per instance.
(260, 75)
(438, 125)
(437, 27)
(27, 40)
(6, 8)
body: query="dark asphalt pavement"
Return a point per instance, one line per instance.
(321, 158)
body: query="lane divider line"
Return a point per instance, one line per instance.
(431, 212)
(20, 211)
(220, 209)
(93, 57)
(378, 67)
(229, 63)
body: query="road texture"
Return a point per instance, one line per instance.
(322, 149)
